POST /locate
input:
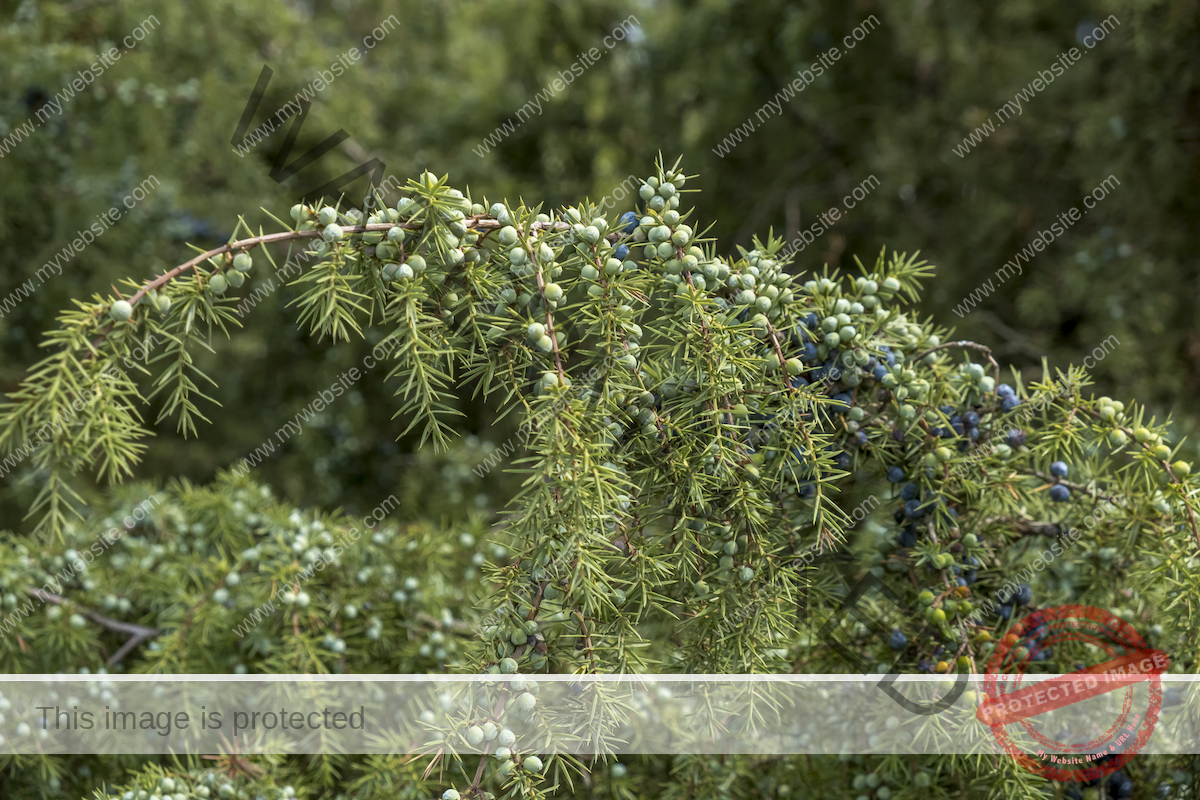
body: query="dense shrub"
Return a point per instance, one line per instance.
(688, 431)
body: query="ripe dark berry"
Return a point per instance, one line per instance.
(1009, 403)
(1058, 469)
(1060, 493)
(1015, 438)
(621, 252)
(898, 641)
(629, 222)
(908, 491)
(1024, 595)
(1004, 390)
(895, 474)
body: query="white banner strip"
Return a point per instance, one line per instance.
(1072, 716)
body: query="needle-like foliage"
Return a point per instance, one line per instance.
(695, 434)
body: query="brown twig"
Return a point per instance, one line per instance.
(987, 351)
(480, 223)
(137, 633)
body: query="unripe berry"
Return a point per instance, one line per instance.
(236, 279)
(327, 215)
(450, 794)
(416, 264)
(217, 284)
(120, 311)
(508, 666)
(332, 233)
(553, 292)
(1181, 469)
(242, 262)
(533, 764)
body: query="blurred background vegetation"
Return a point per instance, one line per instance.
(685, 75)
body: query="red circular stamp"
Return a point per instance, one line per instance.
(1008, 702)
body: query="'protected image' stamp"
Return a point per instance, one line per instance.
(1115, 740)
